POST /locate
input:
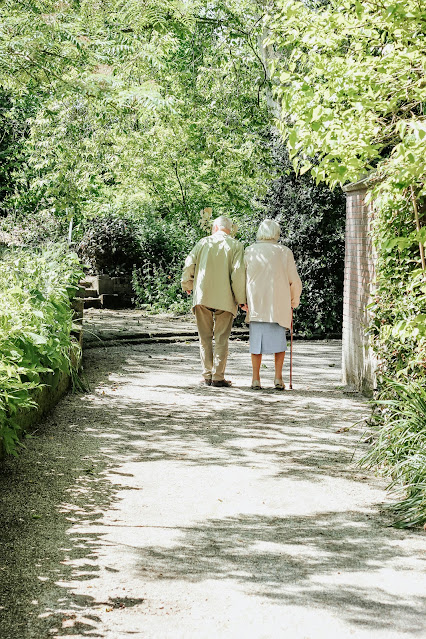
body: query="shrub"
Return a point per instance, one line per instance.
(35, 327)
(399, 450)
(164, 247)
(35, 229)
(398, 326)
(158, 289)
(398, 339)
(312, 220)
(110, 245)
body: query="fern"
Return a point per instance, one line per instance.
(66, 36)
(157, 14)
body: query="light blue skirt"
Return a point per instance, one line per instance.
(266, 338)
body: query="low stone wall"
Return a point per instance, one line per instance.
(47, 396)
(113, 292)
(54, 387)
(358, 364)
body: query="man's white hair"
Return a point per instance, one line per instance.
(223, 222)
(268, 230)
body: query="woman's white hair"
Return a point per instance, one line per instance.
(222, 222)
(268, 230)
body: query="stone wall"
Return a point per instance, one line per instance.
(358, 363)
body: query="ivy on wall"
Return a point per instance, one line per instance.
(351, 81)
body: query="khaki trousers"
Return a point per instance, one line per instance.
(212, 322)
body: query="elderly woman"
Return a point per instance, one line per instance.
(273, 289)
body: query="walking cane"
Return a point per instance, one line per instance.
(291, 352)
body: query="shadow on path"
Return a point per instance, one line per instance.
(151, 481)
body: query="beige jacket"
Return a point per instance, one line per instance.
(273, 285)
(214, 271)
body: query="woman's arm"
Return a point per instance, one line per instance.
(294, 280)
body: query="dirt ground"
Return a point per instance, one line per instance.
(151, 506)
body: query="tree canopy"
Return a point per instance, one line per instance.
(350, 77)
(140, 106)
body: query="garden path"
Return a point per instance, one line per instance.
(151, 506)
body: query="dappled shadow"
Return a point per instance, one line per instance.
(153, 413)
(56, 481)
(107, 324)
(76, 490)
(324, 561)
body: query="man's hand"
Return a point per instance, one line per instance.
(244, 307)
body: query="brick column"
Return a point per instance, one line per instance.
(357, 359)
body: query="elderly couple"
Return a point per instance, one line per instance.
(263, 281)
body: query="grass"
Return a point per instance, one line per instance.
(399, 449)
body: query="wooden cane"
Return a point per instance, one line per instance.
(291, 351)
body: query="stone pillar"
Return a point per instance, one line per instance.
(358, 363)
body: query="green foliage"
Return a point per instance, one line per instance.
(158, 289)
(400, 449)
(35, 327)
(109, 245)
(144, 246)
(350, 79)
(156, 281)
(398, 326)
(312, 220)
(39, 43)
(398, 338)
(35, 228)
(160, 104)
(13, 131)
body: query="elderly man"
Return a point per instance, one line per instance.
(215, 273)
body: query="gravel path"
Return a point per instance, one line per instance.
(154, 507)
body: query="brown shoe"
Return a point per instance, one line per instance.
(207, 382)
(222, 383)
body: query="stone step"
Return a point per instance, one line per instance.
(89, 281)
(77, 305)
(89, 292)
(110, 300)
(92, 302)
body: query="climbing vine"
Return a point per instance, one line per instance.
(350, 79)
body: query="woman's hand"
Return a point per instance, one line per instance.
(244, 307)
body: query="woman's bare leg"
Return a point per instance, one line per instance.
(279, 361)
(256, 361)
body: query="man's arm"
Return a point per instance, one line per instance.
(187, 279)
(238, 275)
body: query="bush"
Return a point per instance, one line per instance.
(39, 228)
(400, 448)
(164, 247)
(35, 327)
(312, 220)
(148, 248)
(110, 245)
(398, 326)
(398, 338)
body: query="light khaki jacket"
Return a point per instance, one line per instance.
(214, 271)
(273, 284)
